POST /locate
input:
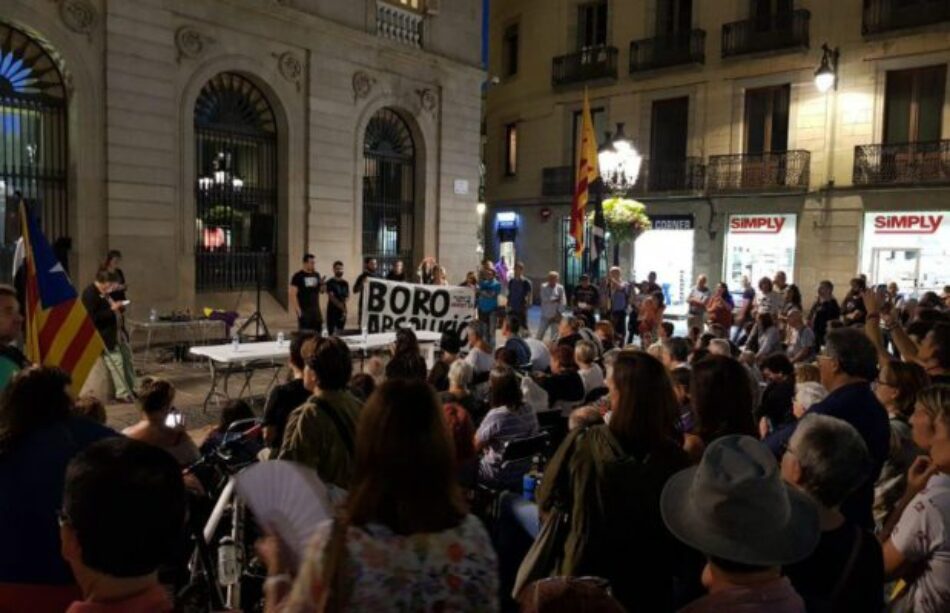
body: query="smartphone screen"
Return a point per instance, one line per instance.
(175, 419)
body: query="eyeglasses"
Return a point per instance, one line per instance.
(878, 383)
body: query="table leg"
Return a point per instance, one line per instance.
(214, 385)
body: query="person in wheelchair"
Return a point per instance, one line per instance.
(509, 419)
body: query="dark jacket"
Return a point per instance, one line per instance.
(32, 476)
(856, 404)
(102, 315)
(612, 494)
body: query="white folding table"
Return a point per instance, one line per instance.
(224, 361)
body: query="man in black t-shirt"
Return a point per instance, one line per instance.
(369, 271)
(305, 288)
(586, 301)
(338, 292)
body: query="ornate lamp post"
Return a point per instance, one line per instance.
(619, 164)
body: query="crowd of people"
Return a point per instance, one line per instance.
(774, 458)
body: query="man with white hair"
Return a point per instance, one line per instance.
(828, 460)
(800, 340)
(553, 300)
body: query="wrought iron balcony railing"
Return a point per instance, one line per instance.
(685, 175)
(590, 64)
(903, 164)
(886, 15)
(557, 181)
(763, 172)
(783, 31)
(668, 50)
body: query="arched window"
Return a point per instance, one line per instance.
(33, 149)
(235, 186)
(389, 194)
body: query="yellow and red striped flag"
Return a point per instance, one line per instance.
(587, 173)
(59, 331)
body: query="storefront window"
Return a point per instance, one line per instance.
(667, 250)
(759, 246)
(910, 249)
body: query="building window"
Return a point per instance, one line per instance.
(591, 25)
(389, 190)
(235, 186)
(33, 137)
(599, 117)
(768, 15)
(509, 50)
(669, 126)
(913, 105)
(674, 17)
(511, 149)
(766, 119)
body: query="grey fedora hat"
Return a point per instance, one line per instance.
(736, 506)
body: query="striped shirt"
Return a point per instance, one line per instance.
(500, 426)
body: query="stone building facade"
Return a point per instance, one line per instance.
(213, 142)
(748, 167)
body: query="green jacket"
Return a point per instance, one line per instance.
(612, 496)
(321, 434)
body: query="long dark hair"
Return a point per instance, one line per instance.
(407, 362)
(646, 405)
(34, 398)
(721, 396)
(795, 296)
(405, 463)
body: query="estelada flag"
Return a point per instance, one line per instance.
(59, 331)
(587, 173)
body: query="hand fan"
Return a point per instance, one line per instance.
(287, 498)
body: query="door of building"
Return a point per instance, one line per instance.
(668, 144)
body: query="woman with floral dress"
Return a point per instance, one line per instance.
(403, 540)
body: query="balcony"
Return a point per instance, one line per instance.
(777, 171)
(664, 51)
(590, 64)
(904, 164)
(399, 25)
(782, 32)
(887, 15)
(557, 181)
(658, 176)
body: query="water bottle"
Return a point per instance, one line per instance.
(532, 480)
(324, 333)
(229, 571)
(236, 342)
(153, 315)
(529, 483)
(280, 339)
(365, 331)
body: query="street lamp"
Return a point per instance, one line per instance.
(619, 162)
(826, 77)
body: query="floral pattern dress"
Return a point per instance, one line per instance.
(453, 570)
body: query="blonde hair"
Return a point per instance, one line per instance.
(807, 373)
